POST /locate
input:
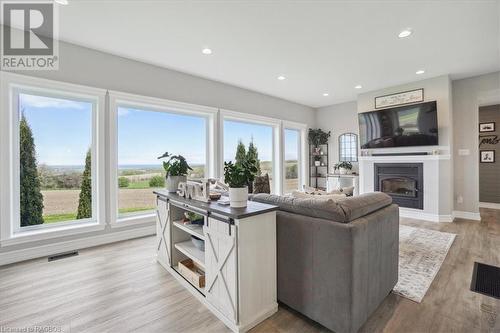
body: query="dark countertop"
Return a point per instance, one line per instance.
(252, 208)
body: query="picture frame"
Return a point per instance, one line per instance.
(487, 127)
(487, 156)
(401, 98)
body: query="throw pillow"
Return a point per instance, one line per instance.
(261, 184)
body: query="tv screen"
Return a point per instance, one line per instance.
(404, 126)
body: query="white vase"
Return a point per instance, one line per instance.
(172, 183)
(238, 196)
(343, 171)
(317, 163)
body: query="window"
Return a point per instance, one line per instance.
(244, 138)
(56, 159)
(143, 134)
(292, 160)
(348, 147)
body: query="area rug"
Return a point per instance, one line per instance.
(421, 254)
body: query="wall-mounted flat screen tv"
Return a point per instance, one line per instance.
(403, 126)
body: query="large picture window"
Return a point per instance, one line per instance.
(250, 139)
(292, 147)
(145, 134)
(55, 159)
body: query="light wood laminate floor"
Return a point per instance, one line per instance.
(120, 288)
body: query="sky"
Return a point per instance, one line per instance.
(62, 133)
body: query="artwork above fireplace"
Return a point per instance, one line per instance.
(402, 181)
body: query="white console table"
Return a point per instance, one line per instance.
(335, 181)
(239, 258)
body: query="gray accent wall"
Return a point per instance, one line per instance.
(468, 95)
(489, 173)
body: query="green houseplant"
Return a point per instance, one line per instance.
(238, 176)
(176, 169)
(343, 167)
(318, 137)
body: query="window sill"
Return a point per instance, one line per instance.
(126, 221)
(27, 236)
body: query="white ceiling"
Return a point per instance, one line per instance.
(319, 46)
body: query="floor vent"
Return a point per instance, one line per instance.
(486, 280)
(63, 255)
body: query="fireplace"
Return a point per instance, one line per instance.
(402, 181)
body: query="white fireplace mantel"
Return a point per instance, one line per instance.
(437, 207)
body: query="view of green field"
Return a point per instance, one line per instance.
(61, 187)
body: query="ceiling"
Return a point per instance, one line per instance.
(320, 47)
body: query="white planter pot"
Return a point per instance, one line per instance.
(317, 163)
(343, 171)
(172, 183)
(238, 196)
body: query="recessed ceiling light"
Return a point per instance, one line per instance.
(405, 33)
(420, 71)
(61, 2)
(206, 51)
(325, 94)
(281, 77)
(358, 86)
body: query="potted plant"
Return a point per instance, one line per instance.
(238, 176)
(343, 167)
(176, 169)
(318, 137)
(317, 160)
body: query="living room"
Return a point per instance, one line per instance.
(265, 166)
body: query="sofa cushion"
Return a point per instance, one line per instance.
(339, 210)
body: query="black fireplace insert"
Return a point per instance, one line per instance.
(402, 181)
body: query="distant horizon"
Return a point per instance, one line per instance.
(128, 166)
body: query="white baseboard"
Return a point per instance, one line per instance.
(76, 244)
(490, 205)
(419, 215)
(467, 215)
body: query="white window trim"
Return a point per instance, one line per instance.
(278, 144)
(151, 104)
(10, 232)
(303, 153)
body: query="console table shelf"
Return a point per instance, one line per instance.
(193, 230)
(192, 252)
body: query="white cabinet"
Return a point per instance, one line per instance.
(239, 260)
(163, 248)
(221, 267)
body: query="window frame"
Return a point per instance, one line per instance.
(120, 99)
(11, 86)
(355, 142)
(302, 153)
(275, 124)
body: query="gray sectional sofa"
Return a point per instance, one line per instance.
(337, 260)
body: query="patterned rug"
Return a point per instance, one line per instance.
(421, 254)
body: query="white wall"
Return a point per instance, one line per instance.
(458, 103)
(93, 68)
(340, 119)
(435, 89)
(343, 117)
(468, 95)
(84, 66)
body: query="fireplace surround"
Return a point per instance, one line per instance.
(402, 181)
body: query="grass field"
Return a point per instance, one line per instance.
(62, 204)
